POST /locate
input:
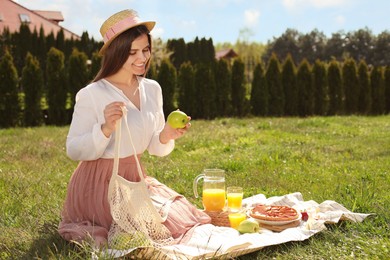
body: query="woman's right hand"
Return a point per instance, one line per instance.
(112, 112)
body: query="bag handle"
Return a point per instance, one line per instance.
(164, 210)
(117, 145)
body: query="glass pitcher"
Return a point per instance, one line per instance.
(213, 192)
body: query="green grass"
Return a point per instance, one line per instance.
(346, 159)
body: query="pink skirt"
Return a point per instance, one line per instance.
(86, 212)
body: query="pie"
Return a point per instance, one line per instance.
(274, 213)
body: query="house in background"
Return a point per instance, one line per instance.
(225, 54)
(12, 15)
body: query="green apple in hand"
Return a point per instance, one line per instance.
(177, 119)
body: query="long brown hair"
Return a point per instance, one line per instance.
(118, 51)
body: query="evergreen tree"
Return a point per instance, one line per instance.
(9, 102)
(186, 88)
(69, 45)
(41, 52)
(193, 51)
(206, 51)
(320, 88)
(50, 42)
(223, 81)
(387, 89)
(34, 43)
(238, 88)
(335, 88)
(77, 73)
(56, 87)
(289, 83)
(167, 79)
(86, 44)
(205, 94)
(32, 84)
(96, 61)
(350, 86)
(152, 72)
(23, 41)
(378, 91)
(179, 52)
(365, 96)
(305, 89)
(275, 88)
(259, 92)
(60, 41)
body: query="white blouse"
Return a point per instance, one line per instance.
(86, 141)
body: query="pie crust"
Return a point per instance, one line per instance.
(274, 213)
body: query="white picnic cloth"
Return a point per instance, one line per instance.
(209, 241)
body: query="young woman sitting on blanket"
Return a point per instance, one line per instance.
(120, 82)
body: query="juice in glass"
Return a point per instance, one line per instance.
(213, 199)
(234, 198)
(236, 218)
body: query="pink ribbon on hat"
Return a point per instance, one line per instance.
(120, 26)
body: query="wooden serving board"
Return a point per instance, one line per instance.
(279, 228)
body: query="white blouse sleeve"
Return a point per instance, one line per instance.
(155, 146)
(85, 140)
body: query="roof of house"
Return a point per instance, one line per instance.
(13, 14)
(228, 53)
(51, 15)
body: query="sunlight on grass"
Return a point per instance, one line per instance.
(346, 159)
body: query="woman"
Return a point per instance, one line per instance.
(120, 82)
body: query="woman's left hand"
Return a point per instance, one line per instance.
(169, 133)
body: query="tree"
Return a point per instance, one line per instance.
(167, 79)
(223, 81)
(335, 88)
(289, 83)
(77, 73)
(320, 88)
(41, 54)
(359, 45)
(96, 61)
(381, 51)
(207, 51)
(311, 46)
(179, 52)
(387, 89)
(350, 86)
(378, 90)
(23, 42)
(205, 94)
(283, 45)
(60, 40)
(238, 88)
(193, 51)
(259, 92)
(56, 87)
(365, 96)
(335, 47)
(305, 89)
(186, 88)
(32, 84)
(9, 103)
(275, 88)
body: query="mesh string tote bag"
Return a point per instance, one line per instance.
(136, 221)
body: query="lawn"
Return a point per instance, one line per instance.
(346, 159)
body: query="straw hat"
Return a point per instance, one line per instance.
(118, 23)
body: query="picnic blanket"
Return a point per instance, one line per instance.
(209, 241)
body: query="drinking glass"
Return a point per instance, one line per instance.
(234, 198)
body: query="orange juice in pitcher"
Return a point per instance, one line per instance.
(213, 192)
(213, 199)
